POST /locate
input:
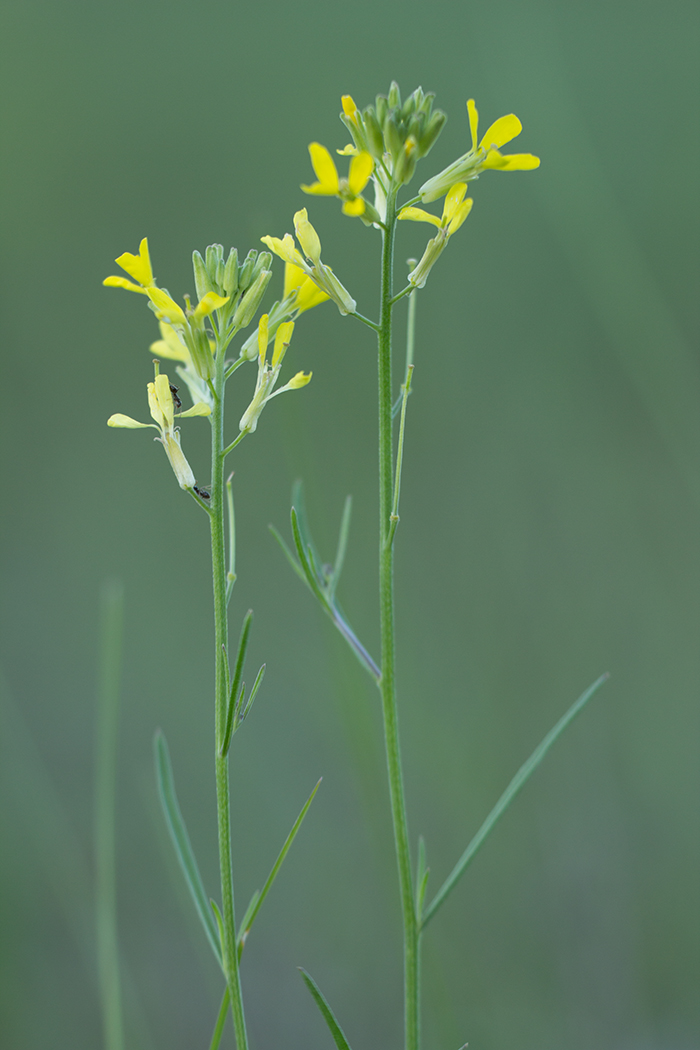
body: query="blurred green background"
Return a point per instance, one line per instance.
(549, 530)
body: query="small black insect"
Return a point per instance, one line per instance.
(176, 400)
(202, 493)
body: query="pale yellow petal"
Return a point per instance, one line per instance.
(200, 409)
(165, 399)
(297, 381)
(307, 236)
(459, 215)
(283, 338)
(138, 266)
(170, 346)
(419, 215)
(120, 420)
(454, 198)
(294, 277)
(208, 303)
(510, 161)
(263, 328)
(309, 295)
(349, 107)
(501, 131)
(286, 249)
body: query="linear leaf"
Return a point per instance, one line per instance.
(234, 695)
(253, 693)
(328, 1015)
(181, 841)
(288, 554)
(303, 558)
(342, 544)
(220, 1023)
(256, 904)
(518, 781)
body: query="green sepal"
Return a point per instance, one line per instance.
(328, 1015)
(181, 842)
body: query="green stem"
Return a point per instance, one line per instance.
(223, 802)
(386, 611)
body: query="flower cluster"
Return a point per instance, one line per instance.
(310, 262)
(454, 213)
(268, 373)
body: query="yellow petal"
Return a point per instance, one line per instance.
(200, 409)
(511, 161)
(170, 346)
(165, 399)
(361, 167)
(138, 266)
(419, 215)
(356, 207)
(309, 295)
(119, 420)
(121, 282)
(473, 121)
(324, 167)
(299, 380)
(286, 249)
(208, 303)
(308, 238)
(459, 215)
(453, 200)
(263, 337)
(294, 277)
(349, 107)
(348, 151)
(502, 131)
(283, 338)
(166, 306)
(154, 406)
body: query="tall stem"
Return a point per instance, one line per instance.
(223, 802)
(387, 682)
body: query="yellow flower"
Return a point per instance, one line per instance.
(306, 293)
(454, 212)
(330, 184)
(482, 156)
(268, 373)
(138, 267)
(321, 275)
(162, 406)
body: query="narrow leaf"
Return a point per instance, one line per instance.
(328, 1015)
(253, 693)
(518, 781)
(220, 1023)
(303, 558)
(181, 841)
(342, 544)
(256, 904)
(234, 695)
(421, 877)
(299, 502)
(288, 554)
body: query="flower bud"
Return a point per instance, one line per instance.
(394, 97)
(215, 266)
(245, 311)
(230, 282)
(202, 281)
(245, 274)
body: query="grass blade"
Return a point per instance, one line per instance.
(181, 841)
(256, 903)
(518, 781)
(328, 1015)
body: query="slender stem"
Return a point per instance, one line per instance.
(404, 291)
(366, 320)
(230, 448)
(399, 457)
(105, 897)
(386, 610)
(218, 556)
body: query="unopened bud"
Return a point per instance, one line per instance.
(245, 311)
(245, 273)
(230, 283)
(202, 281)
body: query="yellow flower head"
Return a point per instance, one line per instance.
(162, 407)
(269, 372)
(483, 155)
(310, 263)
(330, 184)
(454, 212)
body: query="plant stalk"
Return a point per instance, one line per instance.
(223, 802)
(387, 684)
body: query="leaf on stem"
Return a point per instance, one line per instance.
(518, 782)
(328, 1015)
(421, 878)
(259, 896)
(181, 841)
(342, 545)
(236, 693)
(220, 1023)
